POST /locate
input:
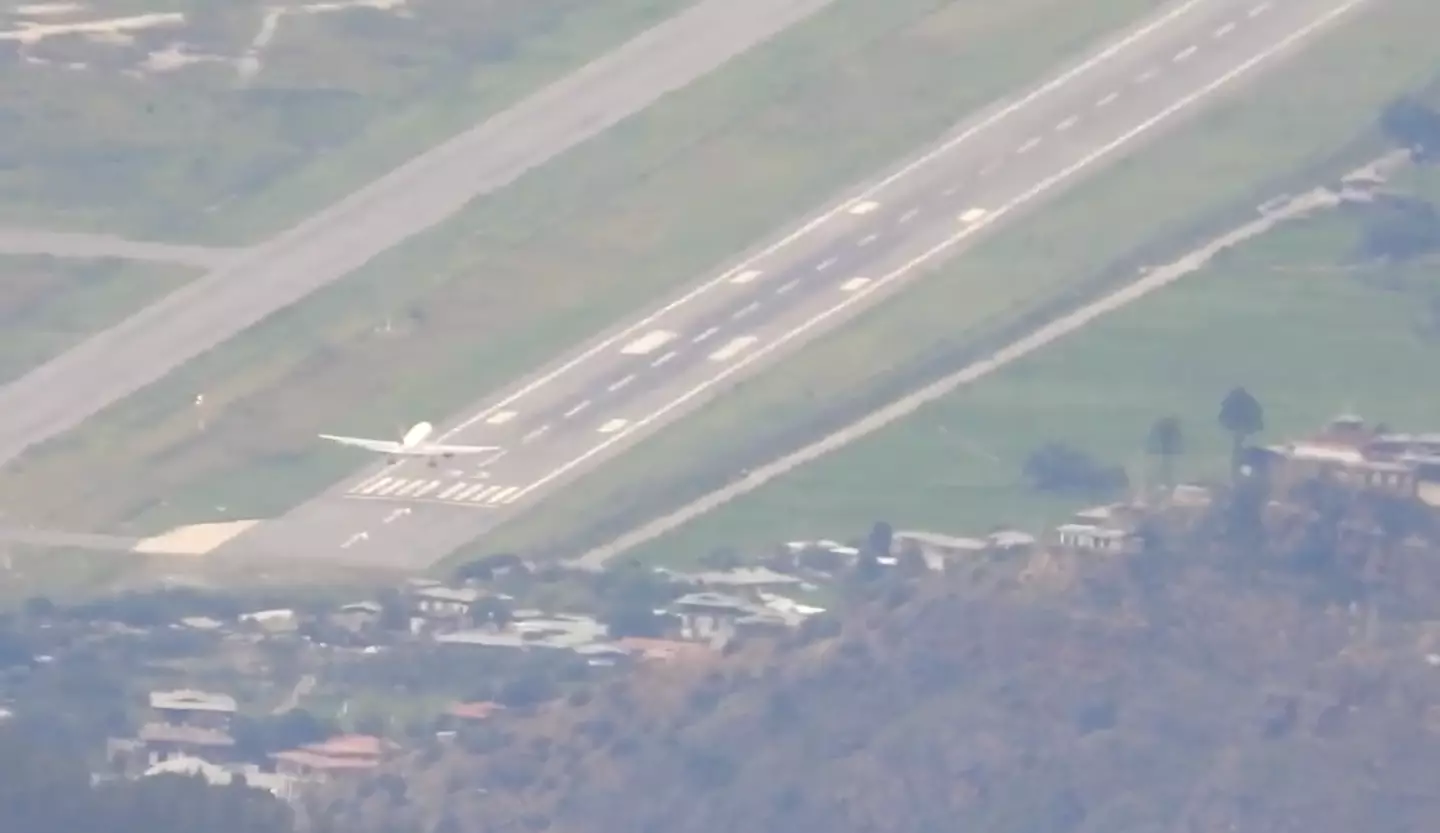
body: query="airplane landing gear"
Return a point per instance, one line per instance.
(432, 463)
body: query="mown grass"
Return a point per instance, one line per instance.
(1297, 117)
(1282, 316)
(198, 153)
(48, 304)
(567, 250)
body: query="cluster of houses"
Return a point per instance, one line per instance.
(1346, 452)
(189, 731)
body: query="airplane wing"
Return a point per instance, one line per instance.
(441, 448)
(382, 446)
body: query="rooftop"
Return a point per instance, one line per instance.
(461, 595)
(714, 600)
(192, 735)
(480, 710)
(742, 577)
(314, 760)
(192, 700)
(350, 746)
(940, 540)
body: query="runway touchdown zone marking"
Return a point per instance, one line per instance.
(803, 231)
(1039, 188)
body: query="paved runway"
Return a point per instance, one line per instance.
(111, 365)
(604, 397)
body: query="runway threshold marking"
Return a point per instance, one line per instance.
(804, 230)
(452, 490)
(1042, 187)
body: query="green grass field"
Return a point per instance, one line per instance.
(1222, 164)
(567, 250)
(1281, 316)
(48, 304)
(96, 137)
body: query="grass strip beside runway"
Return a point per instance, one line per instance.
(1296, 124)
(568, 250)
(47, 304)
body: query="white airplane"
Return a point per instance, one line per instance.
(412, 444)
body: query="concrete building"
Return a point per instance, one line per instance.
(710, 616)
(340, 756)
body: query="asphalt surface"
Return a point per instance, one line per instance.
(110, 366)
(604, 397)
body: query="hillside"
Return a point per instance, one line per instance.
(1057, 696)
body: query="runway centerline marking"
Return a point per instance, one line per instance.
(787, 286)
(1225, 30)
(1028, 145)
(1067, 124)
(853, 284)
(1186, 54)
(648, 343)
(577, 409)
(746, 310)
(1256, 11)
(705, 335)
(825, 264)
(500, 417)
(909, 215)
(665, 358)
(868, 239)
(534, 435)
(617, 385)
(1147, 75)
(612, 426)
(733, 349)
(1045, 185)
(805, 229)
(1107, 100)
(863, 207)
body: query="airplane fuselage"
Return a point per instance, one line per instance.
(419, 433)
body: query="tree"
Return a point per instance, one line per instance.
(1400, 229)
(1412, 125)
(1166, 442)
(1241, 416)
(881, 538)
